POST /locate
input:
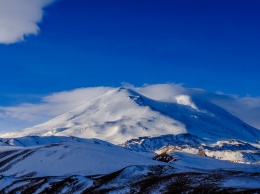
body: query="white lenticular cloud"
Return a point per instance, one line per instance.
(19, 18)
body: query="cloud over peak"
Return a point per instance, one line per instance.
(19, 18)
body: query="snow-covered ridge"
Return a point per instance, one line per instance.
(122, 114)
(231, 150)
(60, 156)
(72, 165)
(38, 141)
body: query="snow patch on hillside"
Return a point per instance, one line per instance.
(186, 100)
(60, 156)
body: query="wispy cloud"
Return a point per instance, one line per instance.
(27, 115)
(19, 18)
(246, 108)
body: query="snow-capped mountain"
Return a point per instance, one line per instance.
(193, 134)
(122, 114)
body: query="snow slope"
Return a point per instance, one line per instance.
(122, 114)
(231, 150)
(63, 156)
(189, 173)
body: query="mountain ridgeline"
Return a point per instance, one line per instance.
(123, 114)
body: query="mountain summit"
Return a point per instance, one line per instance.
(122, 114)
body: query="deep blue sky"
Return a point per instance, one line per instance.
(214, 45)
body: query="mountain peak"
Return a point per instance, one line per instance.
(122, 114)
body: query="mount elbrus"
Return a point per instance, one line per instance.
(120, 141)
